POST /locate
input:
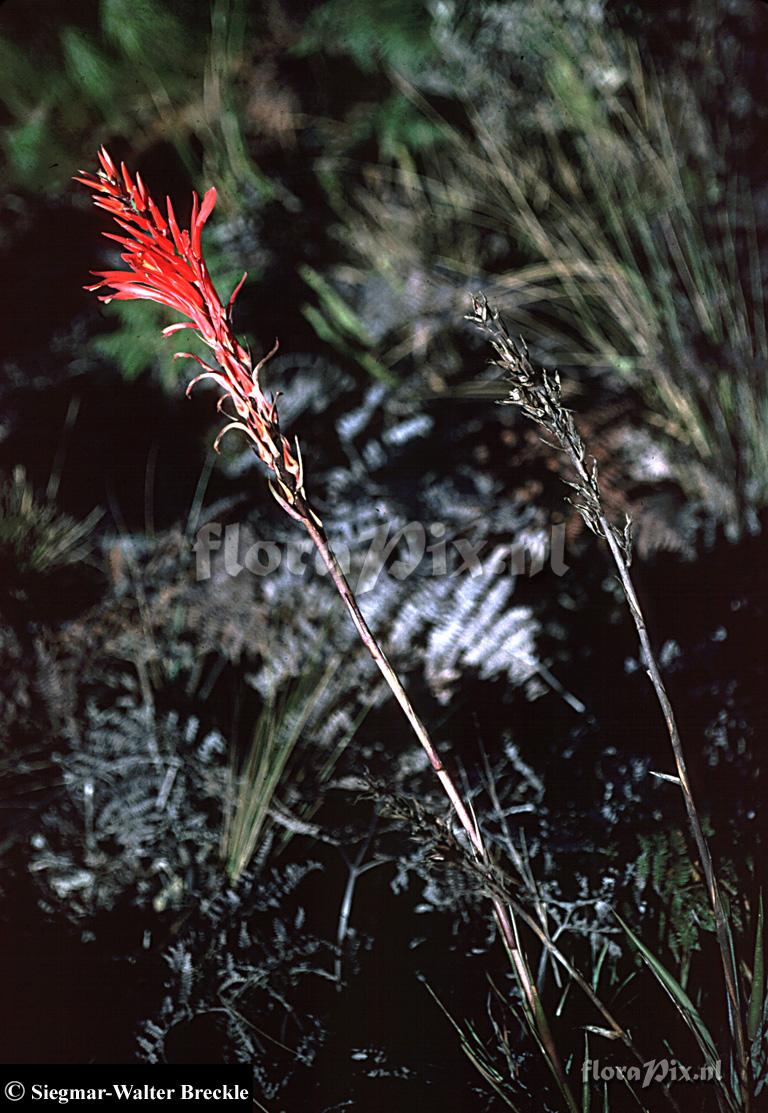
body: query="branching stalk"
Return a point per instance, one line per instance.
(538, 394)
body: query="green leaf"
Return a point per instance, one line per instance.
(148, 34)
(330, 335)
(26, 145)
(373, 33)
(757, 996)
(19, 78)
(341, 314)
(586, 1099)
(681, 999)
(137, 344)
(92, 74)
(473, 1048)
(599, 966)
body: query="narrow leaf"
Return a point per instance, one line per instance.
(681, 999)
(757, 995)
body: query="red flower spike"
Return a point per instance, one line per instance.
(165, 264)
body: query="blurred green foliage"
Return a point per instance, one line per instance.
(147, 71)
(137, 343)
(371, 32)
(336, 323)
(130, 73)
(153, 73)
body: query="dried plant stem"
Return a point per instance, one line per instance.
(345, 591)
(618, 550)
(538, 394)
(713, 889)
(303, 513)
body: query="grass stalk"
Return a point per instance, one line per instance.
(538, 395)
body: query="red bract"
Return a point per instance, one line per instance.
(166, 265)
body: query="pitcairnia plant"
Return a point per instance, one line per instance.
(165, 264)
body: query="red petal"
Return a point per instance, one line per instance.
(141, 189)
(237, 290)
(87, 179)
(107, 163)
(207, 206)
(174, 227)
(126, 179)
(160, 223)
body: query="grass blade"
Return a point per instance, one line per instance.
(681, 999)
(757, 996)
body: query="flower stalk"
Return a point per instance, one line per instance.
(165, 264)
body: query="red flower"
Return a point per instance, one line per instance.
(166, 265)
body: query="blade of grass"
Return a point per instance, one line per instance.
(476, 1058)
(757, 996)
(683, 1003)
